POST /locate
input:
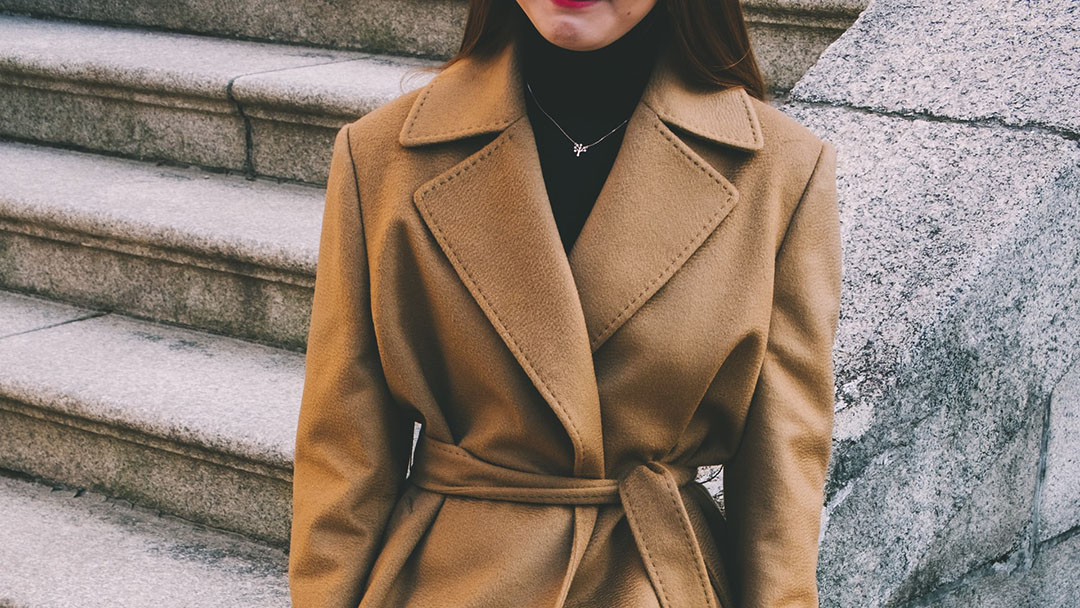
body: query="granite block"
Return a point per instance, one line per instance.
(220, 395)
(407, 27)
(140, 60)
(232, 494)
(21, 313)
(1012, 62)
(187, 99)
(65, 547)
(1059, 508)
(958, 319)
(1051, 582)
(217, 252)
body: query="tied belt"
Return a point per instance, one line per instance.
(649, 494)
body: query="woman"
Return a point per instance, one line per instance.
(588, 259)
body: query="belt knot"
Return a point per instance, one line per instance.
(648, 493)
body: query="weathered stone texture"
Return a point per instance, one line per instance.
(225, 104)
(410, 27)
(193, 424)
(958, 319)
(63, 547)
(20, 313)
(788, 34)
(1059, 508)
(222, 253)
(1051, 582)
(167, 382)
(1016, 62)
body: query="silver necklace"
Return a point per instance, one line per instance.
(579, 148)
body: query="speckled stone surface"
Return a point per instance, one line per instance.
(185, 98)
(220, 394)
(197, 66)
(1050, 582)
(1060, 506)
(294, 116)
(1014, 62)
(345, 88)
(410, 27)
(259, 222)
(179, 479)
(218, 252)
(958, 319)
(68, 549)
(193, 424)
(21, 313)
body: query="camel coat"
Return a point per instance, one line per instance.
(566, 400)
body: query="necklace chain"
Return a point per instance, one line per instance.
(579, 148)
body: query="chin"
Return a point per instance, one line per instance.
(575, 29)
(575, 33)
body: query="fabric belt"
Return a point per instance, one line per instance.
(649, 494)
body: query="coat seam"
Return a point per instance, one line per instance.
(802, 197)
(678, 255)
(686, 535)
(776, 257)
(631, 516)
(503, 328)
(431, 137)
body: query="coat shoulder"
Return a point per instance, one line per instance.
(379, 128)
(791, 148)
(782, 132)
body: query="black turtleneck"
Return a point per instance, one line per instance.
(587, 93)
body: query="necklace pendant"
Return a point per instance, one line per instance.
(578, 149)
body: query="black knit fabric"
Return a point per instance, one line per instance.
(587, 93)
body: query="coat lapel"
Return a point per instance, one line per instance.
(492, 218)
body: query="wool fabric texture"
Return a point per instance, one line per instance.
(567, 399)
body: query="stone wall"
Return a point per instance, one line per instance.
(957, 451)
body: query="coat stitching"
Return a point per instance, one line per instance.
(675, 259)
(462, 169)
(686, 533)
(547, 499)
(434, 136)
(548, 496)
(515, 346)
(750, 119)
(416, 113)
(663, 111)
(631, 516)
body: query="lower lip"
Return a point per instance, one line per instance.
(575, 3)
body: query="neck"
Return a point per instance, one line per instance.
(590, 90)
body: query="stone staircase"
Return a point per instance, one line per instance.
(160, 204)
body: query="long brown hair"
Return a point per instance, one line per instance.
(709, 38)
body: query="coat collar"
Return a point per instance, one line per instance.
(491, 217)
(484, 95)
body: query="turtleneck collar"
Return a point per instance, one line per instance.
(590, 91)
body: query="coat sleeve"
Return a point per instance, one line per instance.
(352, 442)
(774, 483)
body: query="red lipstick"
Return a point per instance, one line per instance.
(575, 3)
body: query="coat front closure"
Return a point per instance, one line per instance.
(492, 217)
(632, 378)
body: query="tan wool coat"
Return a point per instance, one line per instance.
(566, 400)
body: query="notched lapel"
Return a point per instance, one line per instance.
(491, 216)
(659, 203)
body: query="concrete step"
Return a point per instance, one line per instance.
(66, 548)
(248, 107)
(195, 425)
(788, 34)
(181, 245)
